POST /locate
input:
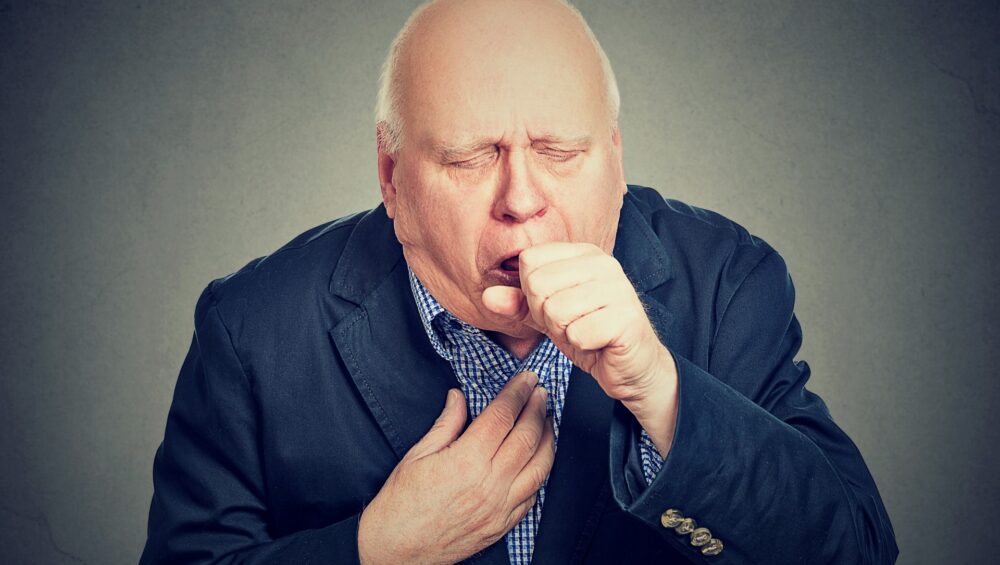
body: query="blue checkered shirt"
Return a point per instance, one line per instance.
(483, 368)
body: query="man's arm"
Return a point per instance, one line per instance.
(755, 457)
(209, 502)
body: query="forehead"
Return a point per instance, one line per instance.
(493, 77)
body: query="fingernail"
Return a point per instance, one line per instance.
(532, 378)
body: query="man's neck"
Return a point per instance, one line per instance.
(518, 347)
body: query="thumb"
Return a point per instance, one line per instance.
(508, 301)
(446, 428)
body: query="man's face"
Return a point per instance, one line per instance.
(503, 150)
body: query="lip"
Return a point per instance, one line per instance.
(513, 253)
(503, 277)
(497, 275)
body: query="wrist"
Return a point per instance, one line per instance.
(363, 554)
(656, 409)
(370, 551)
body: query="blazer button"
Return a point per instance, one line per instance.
(671, 518)
(713, 547)
(700, 537)
(686, 526)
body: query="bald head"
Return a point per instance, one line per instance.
(473, 51)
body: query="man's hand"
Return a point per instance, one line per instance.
(452, 496)
(579, 296)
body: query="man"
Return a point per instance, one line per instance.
(516, 357)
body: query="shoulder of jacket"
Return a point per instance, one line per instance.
(300, 267)
(692, 234)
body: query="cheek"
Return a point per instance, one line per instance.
(442, 223)
(592, 203)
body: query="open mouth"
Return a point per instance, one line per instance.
(507, 272)
(510, 265)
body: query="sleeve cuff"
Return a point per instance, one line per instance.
(650, 457)
(729, 459)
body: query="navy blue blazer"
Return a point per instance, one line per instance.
(310, 375)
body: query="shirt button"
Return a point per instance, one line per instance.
(671, 518)
(700, 537)
(686, 526)
(713, 547)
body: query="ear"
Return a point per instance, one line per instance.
(386, 167)
(616, 142)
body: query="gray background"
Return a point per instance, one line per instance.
(150, 147)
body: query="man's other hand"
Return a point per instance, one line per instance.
(455, 493)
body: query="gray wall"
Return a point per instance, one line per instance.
(150, 147)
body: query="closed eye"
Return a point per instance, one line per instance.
(478, 160)
(475, 162)
(559, 156)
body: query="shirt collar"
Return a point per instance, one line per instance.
(439, 324)
(429, 309)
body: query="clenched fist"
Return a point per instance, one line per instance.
(580, 297)
(456, 493)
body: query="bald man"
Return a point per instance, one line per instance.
(516, 357)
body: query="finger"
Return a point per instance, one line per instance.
(522, 441)
(603, 328)
(538, 255)
(504, 300)
(570, 304)
(550, 278)
(518, 513)
(533, 475)
(445, 429)
(553, 278)
(488, 431)
(510, 302)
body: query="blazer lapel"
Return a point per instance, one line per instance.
(401, 378)
(579, 486)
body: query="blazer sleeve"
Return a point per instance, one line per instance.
(209, 496)
(756, 458)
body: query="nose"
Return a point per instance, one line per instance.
(520, 197)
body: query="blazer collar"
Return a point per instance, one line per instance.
(371, 253)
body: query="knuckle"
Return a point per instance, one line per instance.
(535, 282)
(518, 514)
(538, 478)
(526, 507)
(503, 415)
(573, 335)
(611, 264)
(638, 316)
(551, 310)
(524, 443)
